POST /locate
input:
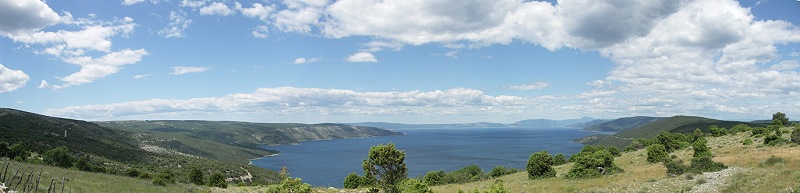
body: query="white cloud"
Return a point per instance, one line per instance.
(140, 76)
(529, 86)
(305, 60)
(44, 85)
(89, 48)
(192, 3)
(11, 80)
(260, 31)
(292, 100)
(25, 16)
(96, 68)
(794, 54)
(785, 65)
(362, 57)
(216, 8)
(257, 11)
(178, 24)
(131, 2)
(178, 70)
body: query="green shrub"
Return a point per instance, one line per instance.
(747, 141)
(353, 181)
(758, 131)
(498, 171)
(592, 162)
(413, 186)
(700, 148)
(217, 180)
(771, 161)
(740, 128)
(59, 157)
(435, 177)
(675, 168)
(497, 187)
(559, 159)
(717, 131)
(656, 153)
(196, 176)
(796, 135)
(163, 178)
(774, 140)
(540, 166)
(288, 184)
(701, 159)
(613, 150)
(387, 165)
(469, 173)
(132, 172)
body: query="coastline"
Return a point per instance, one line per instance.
(251, 160)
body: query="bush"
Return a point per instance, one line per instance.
(132, 173)
(497, 187)
(295, 185)
(656, 153)
(469, 173)
(717, 131)
(701, 159)
(163, 178)
(700, 148)
(196, 176)
(498, 171)
(353, 181)
(559, 159)
(774, 140)
(771, 161)
(796, 136)
(740, 128)
(613, 150)
(592, 162)
(540, 166)
(758, 131)
(435, 177)
(217, 180)
(675, 168)
(747, 141)
(413, 186)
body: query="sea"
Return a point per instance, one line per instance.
(327, 163)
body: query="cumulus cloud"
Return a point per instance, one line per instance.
(529, 86)
(81, 48)
(25, 16)
(44, 85)
(289, 100)
(256, 11)
(11, 80)
(361, 57)
(192, 3)
(305, 60)
(216, 8)
(178, 24)
(260, 31)
(179, 70)
(140, 76)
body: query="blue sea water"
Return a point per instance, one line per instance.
(327, 163)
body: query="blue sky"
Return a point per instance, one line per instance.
(435, 61)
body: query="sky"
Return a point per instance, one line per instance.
(406, 61)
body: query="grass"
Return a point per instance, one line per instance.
(88, 182)
(640, 176)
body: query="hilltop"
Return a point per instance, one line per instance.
(620, 124)
(676, 124)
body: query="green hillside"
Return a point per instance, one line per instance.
(621, 124)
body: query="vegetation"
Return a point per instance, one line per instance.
(780, 119)
(498, 171)
(217, 180)
(622, 124)
(289, 184)
(387, 165)
(592, 161)
(195, 176)
(540, 166)
(656, 153)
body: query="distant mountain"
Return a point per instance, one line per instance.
(621, 124)
(386, 125)
(676, 124)
(551, 123)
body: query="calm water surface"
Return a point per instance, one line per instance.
(327, 163)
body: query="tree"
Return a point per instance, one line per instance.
(164, 177)
(386, 165)
(592, 162)
(434, 177)
(701, 159)
(780, 119)
(717, 131)
(4, 150)
(289, 184)
(58, 157)
(614, 151)
(498, 171)
(217, 180)
(133, 172)
(17, 150)
(796, 136)
(540, 166)
(196, 176)
(656, 153)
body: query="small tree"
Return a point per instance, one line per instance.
(217, 180)
(58, 157)
(352, 181)
(164, 178)
(656, 153)
(717, 131)
(592, 162)
(540, 166)
(701, 159)
(559, 159)
(796, 136)
(614, 150)
(498, 171)
(387, 165)
(434, 177)
(780, 119)
(196, 176)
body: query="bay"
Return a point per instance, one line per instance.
(327, 163)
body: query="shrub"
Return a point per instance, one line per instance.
(758, 131)
(467, 174)
(217, 180)
(796, 136)
(675, 168)
(701, 159)
(613, 150)
(413, 186)
(656, 153)
(592, 163)
(747, 141)
(700, 148)
(774, 140)
(740, 128)
(132, 173)
(196, 176)
(559, 159)
(435, 177)
(771, 161)
(163, 178)
(672, 141)
(540, 166)
(295, 185)
(780, 119)
(353, 181)
(498, 171)
(387, 165)
(717, 131)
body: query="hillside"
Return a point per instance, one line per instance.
(551, 123)
(621, 124)
(747, 172)
(41, 133)
(233, 141)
